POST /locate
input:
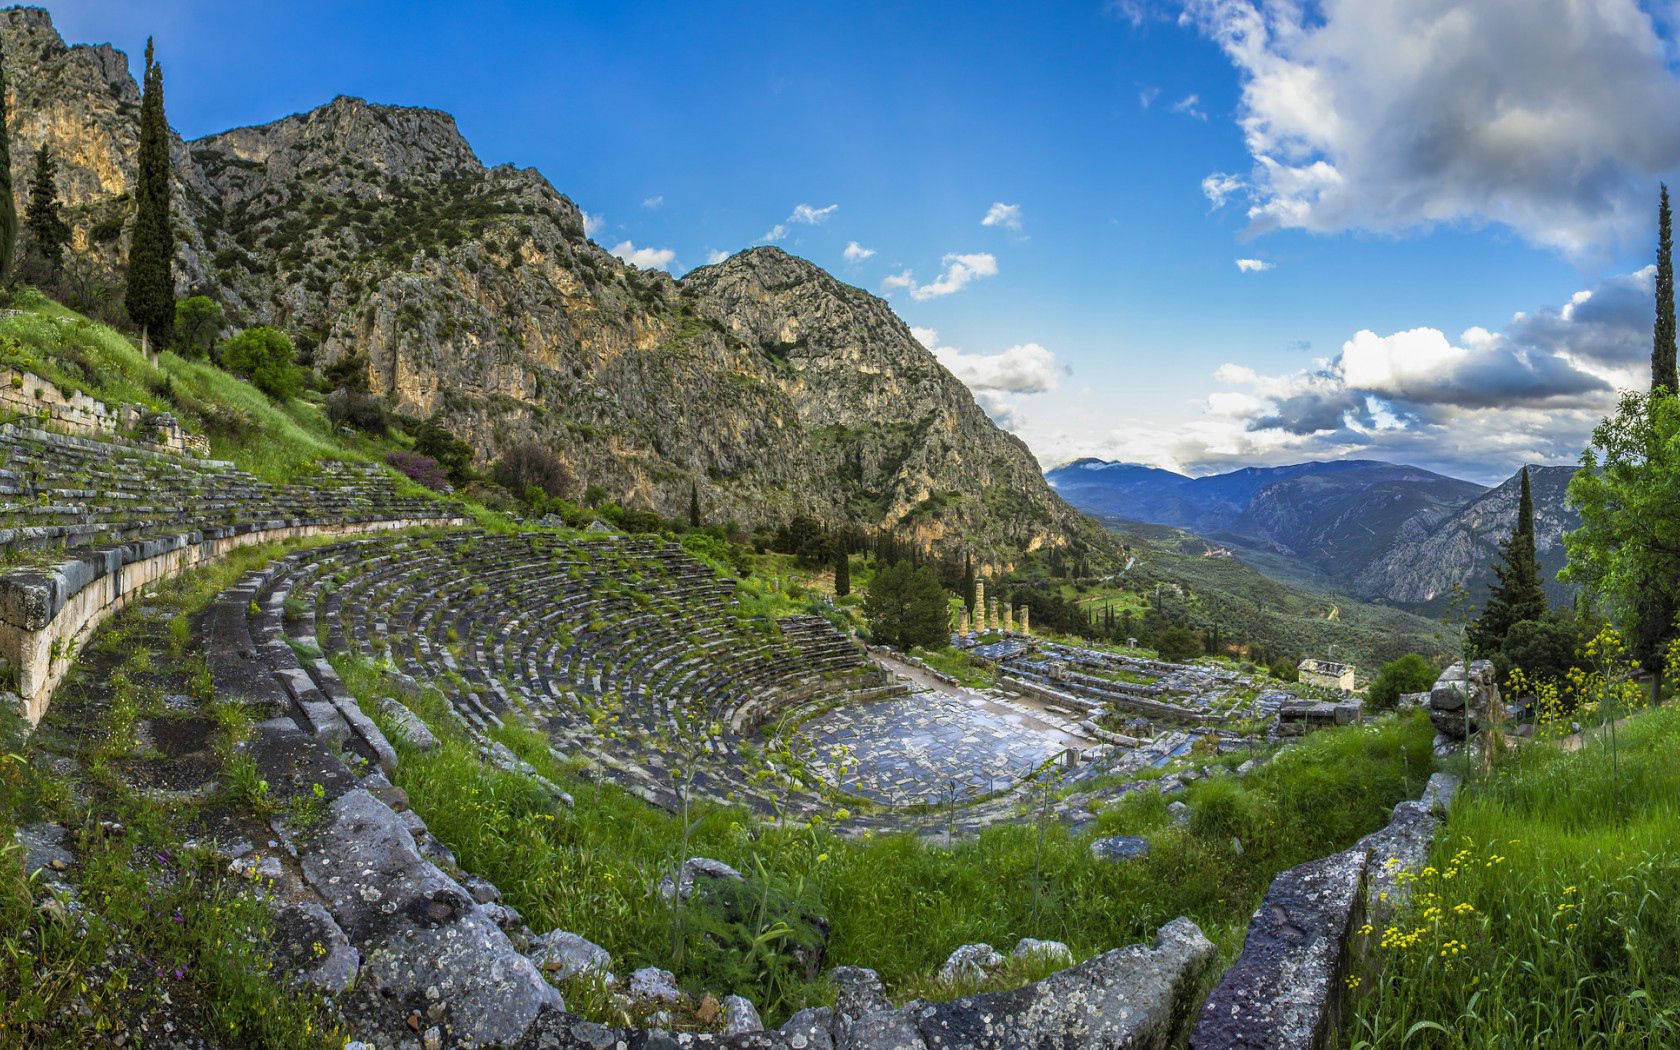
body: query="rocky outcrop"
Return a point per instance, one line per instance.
(474, 294)
(1464, 703)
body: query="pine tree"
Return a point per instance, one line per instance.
(1517, 593)
(48, 233)
(8, 206)
(842, 570)
(694, 506)
(1663, 366)
(150, 296)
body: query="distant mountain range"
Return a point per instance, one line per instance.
(1384, 531)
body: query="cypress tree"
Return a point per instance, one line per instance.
(150, 296)
(1517, 594)
(8, 205)
(694, 506)
(968, 581)
(48, 232)
(1663, 367)
(842, 570)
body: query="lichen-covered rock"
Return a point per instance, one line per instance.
(1120, 847)
(693, 869)
(1284, 991)
(740, 1016)
(563, 955)
(971, 962)
(651, 985)
(308, 944)
(1048, 951)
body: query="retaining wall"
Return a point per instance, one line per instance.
(47, 615)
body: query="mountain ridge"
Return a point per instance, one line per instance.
(473, 295)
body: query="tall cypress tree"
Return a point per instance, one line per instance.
(150, 296)
(1663, 367)
(1517, 593)
(48, 232)
(842, 569)
(694, 506)
(8, 206)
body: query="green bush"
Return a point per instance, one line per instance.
(906, 607)
(1411, 673)
(264, 356)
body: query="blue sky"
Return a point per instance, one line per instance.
(1104, 311)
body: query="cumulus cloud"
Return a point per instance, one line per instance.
(804, 214)
(997, 380)
(1550, 117)
(645, 258)
(1253, 265)
(1001, 214)
(1477, 405)
(960, 271)
(715, 256)
(592, 224)
(856, 253)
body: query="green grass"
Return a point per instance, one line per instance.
(959, 665)
(1573, 874)
(896, 903)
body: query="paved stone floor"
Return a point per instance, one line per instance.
(911, 749)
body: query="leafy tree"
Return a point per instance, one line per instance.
(1177, 645)
(264, 356)
(1517, 593)
(48, 233)
(1663, 366)
(1284, 671)
(455, 456)
(1411, 673)
(531, 464)
(8, 207)
(197, 319)
(1627, 550)
(1544, 648)
(842, 571)
(150, 297)
(906, 607)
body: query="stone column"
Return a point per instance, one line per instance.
(992, 614)
(980, 604)
(1026, 616)
(962, 620)
(1008, 618)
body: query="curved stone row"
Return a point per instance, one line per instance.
(84, 524)
(626, 651)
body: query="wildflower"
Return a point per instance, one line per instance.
(1464, 909)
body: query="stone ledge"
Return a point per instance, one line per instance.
(1288, 988)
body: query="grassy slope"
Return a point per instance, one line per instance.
(1556, 896)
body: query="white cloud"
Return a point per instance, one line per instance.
(1551, 117)
(1220, 187)
(811, 216)
(1147, 96)
(802, 213)
(1253, 265)
(592, 224)
(653, 203)
(960, 270)
(1191, 106)
(645, 258)
(715, 256)
(856, 252)
(1001, 214)
(998, 381)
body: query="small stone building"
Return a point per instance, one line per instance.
(1327, 673)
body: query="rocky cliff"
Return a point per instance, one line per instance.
(474, 294)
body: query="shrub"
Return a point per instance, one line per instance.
(1409, 674)
(264, 356)
(451, 453)
(530, 463)
(1178, 645)
(359, 410)
(423, 470)
(197, 319)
